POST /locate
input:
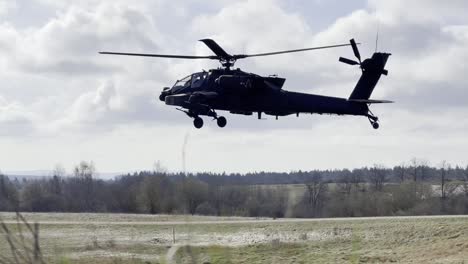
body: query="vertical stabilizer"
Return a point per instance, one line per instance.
(372, 69)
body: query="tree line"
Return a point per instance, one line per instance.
(412, 189)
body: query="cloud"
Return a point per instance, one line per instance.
(108, 107)
(55, 85)
(15, 119)
(259, 26)
(7, 6)
(8, 40)
(60, 58)
(94, 105)
(420, 11)
(94, 110)
(68, 44)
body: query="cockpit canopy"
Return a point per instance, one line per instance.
(190, 83)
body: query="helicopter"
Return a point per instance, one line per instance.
(227, 89)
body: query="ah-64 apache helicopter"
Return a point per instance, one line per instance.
(239, 92)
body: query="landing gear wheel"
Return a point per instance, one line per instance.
(373, 120)
(198, 122)
(221, 121)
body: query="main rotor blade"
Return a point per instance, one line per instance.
(287, 51)
(212, 45)
(160, 55)
(348, 61)
(355, 49)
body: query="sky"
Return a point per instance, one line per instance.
(61, 102)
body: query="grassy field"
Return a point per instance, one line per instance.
(121, 238)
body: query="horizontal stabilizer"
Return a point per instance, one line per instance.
(370, 101)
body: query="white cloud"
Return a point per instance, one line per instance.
(7, 6)
(8, 41)
(68, 43)
(15, 119)
(64, 53)
(420, 11)
(93, 106)
(56, 88)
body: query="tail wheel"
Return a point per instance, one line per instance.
(198, 122)
(373, 120)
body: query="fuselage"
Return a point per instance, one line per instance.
(244, 93)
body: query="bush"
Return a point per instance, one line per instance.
(205, 208)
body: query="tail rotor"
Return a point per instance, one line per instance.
(357, 54)
(366, 64)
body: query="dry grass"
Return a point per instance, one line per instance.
(22, 240)
(93, 238)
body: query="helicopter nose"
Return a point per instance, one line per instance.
(162, 96)
(164, 93)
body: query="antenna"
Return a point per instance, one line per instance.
(377, 36)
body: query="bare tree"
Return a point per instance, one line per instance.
(9, 198)
(316, 189)
(59, 171)
(356, 178)
(194, 193)
(378, 176)
(400, 172)
(56, 182)
(158, 167)
(414, 168)
(444, 166)
(345, 183)
(150, 194)
(423, 168)
(85, 172)
(465, 180)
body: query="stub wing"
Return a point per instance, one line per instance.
(370, 101)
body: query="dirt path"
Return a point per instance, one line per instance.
(171, 253)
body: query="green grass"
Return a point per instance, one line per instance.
(90, 239)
